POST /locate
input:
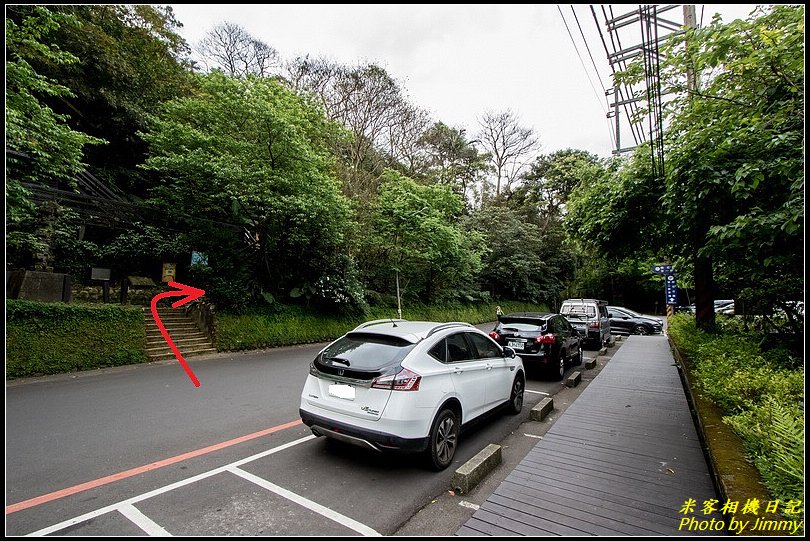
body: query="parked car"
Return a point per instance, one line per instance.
(720, 307)
(541, 339)
(626, 321)
(409, 386)
(590, 318)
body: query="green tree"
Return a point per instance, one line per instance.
(415, 238)
(735, 187)
(522, 262)
(447, 157)
(128, 59)
(40, 146)
(249, 151)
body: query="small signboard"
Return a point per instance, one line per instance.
(199, 258)
(168, 272)
(662, 269)
(99, 274)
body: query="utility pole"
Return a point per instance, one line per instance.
(704, 278)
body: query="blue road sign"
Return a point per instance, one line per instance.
(662, 269)
(671, 290)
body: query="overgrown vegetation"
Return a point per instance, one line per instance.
(52, 338)
(285, 325)
(760, 392)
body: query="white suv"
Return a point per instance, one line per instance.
(409, 386)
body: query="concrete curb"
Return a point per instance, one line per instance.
(542, 409)
(474, 470)
(590, 364)
(574, 379)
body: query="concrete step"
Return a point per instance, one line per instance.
(173, 327)
(181, 343)
(170, 355)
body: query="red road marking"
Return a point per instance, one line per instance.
(39, 500)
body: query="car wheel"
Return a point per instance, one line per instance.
(443, 439)
(641, 329)
(516, 396)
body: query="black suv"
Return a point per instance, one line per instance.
(540, 339)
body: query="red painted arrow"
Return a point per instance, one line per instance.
(189, 293)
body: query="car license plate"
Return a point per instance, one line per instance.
(515, 344)
(346, 392)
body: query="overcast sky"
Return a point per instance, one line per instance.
(458, 61)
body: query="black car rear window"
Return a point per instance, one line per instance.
(366, 351)
(522, 325)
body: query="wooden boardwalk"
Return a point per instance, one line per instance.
(621, 460)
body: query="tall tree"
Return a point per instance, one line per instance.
(447, 157)
(509, 145)
(735, 163)
(129, 60)
(40, 145)
(415, 243)
(231, 48)
(250, 151)
(548, 184)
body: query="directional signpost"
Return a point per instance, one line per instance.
(670, 285)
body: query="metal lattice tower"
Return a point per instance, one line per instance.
(637, 35)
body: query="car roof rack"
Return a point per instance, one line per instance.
(377, 322)
(447, 325)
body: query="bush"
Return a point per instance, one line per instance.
(762, 398)
(51, 338)
(280, 325)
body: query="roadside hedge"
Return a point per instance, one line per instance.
(763, 399)
(280, 325)
(51, 338)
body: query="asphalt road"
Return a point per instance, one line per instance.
(138, 449)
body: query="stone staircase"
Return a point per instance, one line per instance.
(185, 334)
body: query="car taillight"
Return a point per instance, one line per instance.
(594, 325)
(546, 339)
(495, 336)
(404, 380)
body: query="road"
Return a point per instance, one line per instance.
(137, 449)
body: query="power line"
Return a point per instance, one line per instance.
(596, 92)
(585, 41)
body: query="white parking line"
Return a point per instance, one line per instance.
(145, 496)
(536, 392)
(309, 504)
(142, 521)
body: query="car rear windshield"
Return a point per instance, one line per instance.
(522, 325)
(578, 310)
(367, 351)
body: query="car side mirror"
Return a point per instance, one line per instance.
(509, 352)
(610, 314)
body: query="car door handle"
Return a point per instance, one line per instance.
(457, 370)
(489, 366)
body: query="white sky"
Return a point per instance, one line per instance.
(460, 60)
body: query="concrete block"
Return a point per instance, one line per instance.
(474, 470)
(542, 409)
(574, 379)
(590, 363)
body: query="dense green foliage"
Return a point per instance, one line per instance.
(760, 392)
(251, 152)
(52, 338)
(287, 325)
(414, 233)
(734, 186)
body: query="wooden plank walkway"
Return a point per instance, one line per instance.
(621, 460)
